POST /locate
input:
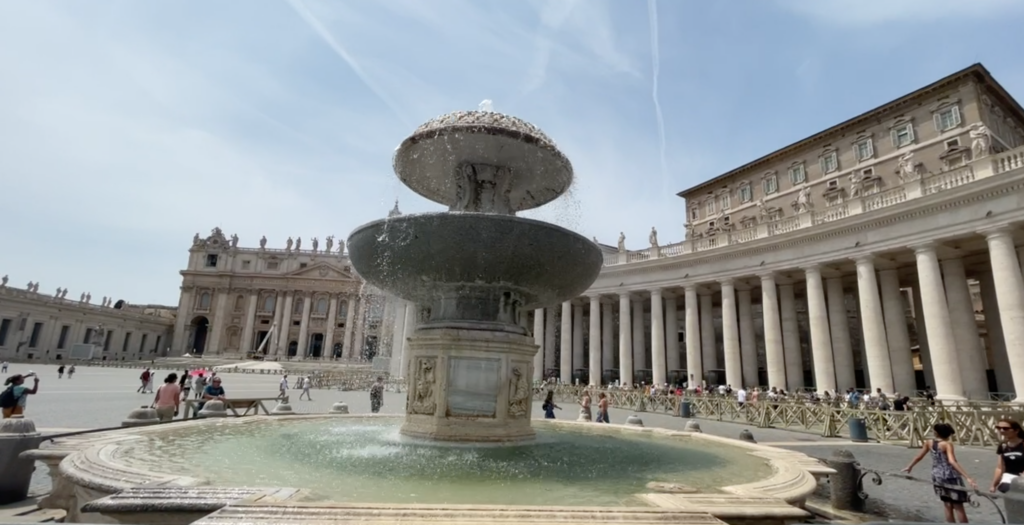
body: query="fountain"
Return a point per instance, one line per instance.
(475, 270)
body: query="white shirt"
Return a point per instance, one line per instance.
(284, 383)
(741, 395)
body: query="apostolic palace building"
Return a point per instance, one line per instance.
(881, 253)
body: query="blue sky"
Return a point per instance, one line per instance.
(126, 126)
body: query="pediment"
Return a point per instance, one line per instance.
(323, 271)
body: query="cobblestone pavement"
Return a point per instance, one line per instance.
(102, 397)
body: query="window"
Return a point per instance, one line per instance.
(834, 183)
(797, 174)
(127, 341)
(726, 221)
(947, 118)
(321, 306)
(694, 214)
(204, 301)
(303, 265)
(211, 260)
(724, 202)
(829, 162)
(107, 340)
(142, 343)
(88, 336)
(297, 307)
(746, 195)
(33, 339)
(246, 265)
(342, 309)
(770, 184)
(952, 143)
(268, 303)
(239, 303)
(902, 135)
(868, 172)
(273, 265)
(63, 339)
(711, 224)
(863, 150)
(5, 326)
(709, 207)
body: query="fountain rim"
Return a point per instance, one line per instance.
(470, 214)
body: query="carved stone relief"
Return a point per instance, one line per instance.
(423, 395)
(518, 392)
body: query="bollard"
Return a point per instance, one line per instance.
(16, 436)
(746, 435)
(140, 417)
(844, 483)
(634, 421)
(858, 430)
(692, 426)
(213, 409)
(282, 409)
(1014, 506)
(685, 409)
(339, 408)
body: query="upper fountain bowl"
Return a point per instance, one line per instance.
(428, 161)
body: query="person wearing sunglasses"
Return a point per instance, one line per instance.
(1011, 454)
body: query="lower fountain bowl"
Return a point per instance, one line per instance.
(442, 257)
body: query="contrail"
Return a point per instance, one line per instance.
(300, 7)
(652, 18)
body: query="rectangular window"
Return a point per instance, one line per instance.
(246, 265)
(127, 341)
(947, 118)
(63, 339)
(834, 183)
(142, 343)
(272, 265)
(709, 207)
(211, 261)
(726, 220)
(797, 174)
(902, 135)
(952, 143)
(829, 162)
(33, 340)
(770, 185)
(303, 265)
(868, 172)
(746, 195)
(694, 215)
(863, 150)
(107, 340)
(88, 336)
(5, 326)
(724, 202)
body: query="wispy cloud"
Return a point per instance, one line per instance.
(871, 12)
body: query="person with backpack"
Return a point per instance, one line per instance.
(13, 398)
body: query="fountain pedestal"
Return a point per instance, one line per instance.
(469, 385)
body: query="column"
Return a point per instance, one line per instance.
(538, 339)
(594, 341)
(708, 345)
(303, 349)
(220, 315)
(748, 341)
(876, 347)
(625, 341)
(350, 320)
(578, 361)
(966, 339)
(607, 337)
(896, 335)
(731, 336)
(565, 356)
(839, 325)
(672, 361)
(359, 343)
(1010, 296)
(996, 343)
(821, 342)
(397, 332)
(284, 327)
(774, 354)
(659, 376)
(250, 320)
(945, 363)
(639, 344)
(694, 359)
(272, 347)
(794, 354)
(549, 341)
(332, 324)
(411, 322)
(922, 338)
(180, 321)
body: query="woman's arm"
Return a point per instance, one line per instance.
(35, 387)
(920, 455)
(951, 456)
(156, 396)
(1000, 468)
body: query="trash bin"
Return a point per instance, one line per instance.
(858, 430)
(684, 409)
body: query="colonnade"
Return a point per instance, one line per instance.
(949, 346)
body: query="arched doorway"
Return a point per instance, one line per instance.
(316, 345)
(293, 348)
(199, 328)
(336, 351)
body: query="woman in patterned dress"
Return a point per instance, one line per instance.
(947, 474)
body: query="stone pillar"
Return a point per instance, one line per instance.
(625, 341)
(359, 340)
(694, 361)
(332, 324)
(748, 341)
(896, 335)
(794, 354)
(731, 336)
(250, 320)
(397, 333)
(639, 344)
(350, 321)
(922, 338)
(672, 357)
(876, 347)
(1010, 295)
(538, 339)
(565, 355)
(607, 336)
(577, 338)
(774, 354)
(821, 342)
(594, 341)
(708, 345)
(303, 350)
(970, 354)
(286, 324)
(659, 376)
(994, 327)
(273, 345)
(549, 341)
(220, 315)
(945, 363)
(180, 322)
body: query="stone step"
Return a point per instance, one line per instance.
(28, 512)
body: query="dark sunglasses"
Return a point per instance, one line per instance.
(1004, 428)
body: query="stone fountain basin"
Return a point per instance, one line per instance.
(422, 258)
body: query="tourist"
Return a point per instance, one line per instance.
(60, 372)
(377, 395)
(946, 472)
(71, 371)
(214, 391)
(200, 384)
(1011, 454)
(3, 367)
(602, 408)
(167, 399)
(283, 388)
(15, 396)
(306, 383)
(585, 412)
(549, 405)
(185, 384)
(144, 378)
(741, 397)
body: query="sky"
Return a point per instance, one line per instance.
(126, 127)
